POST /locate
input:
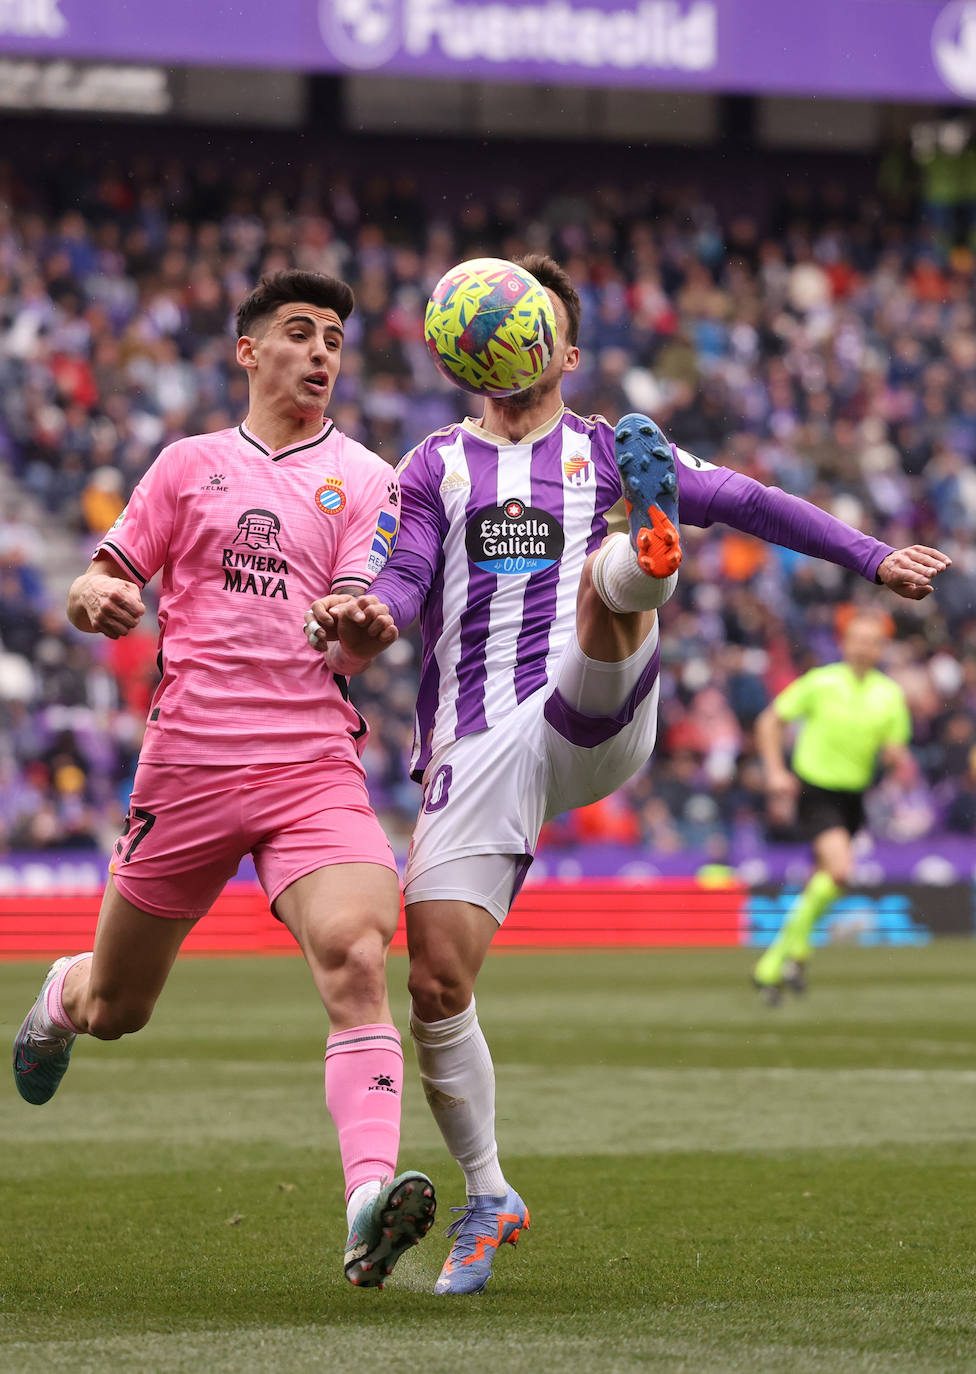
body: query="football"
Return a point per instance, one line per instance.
(490, 327)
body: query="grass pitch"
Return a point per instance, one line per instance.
(714, 1186)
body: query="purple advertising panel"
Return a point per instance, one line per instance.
(894, 49)
(938, 861)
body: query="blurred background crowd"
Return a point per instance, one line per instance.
(820, 336)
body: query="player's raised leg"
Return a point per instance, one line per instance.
(609, 669)
(107, 993)
(343, 918)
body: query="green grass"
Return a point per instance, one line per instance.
(713, 1186)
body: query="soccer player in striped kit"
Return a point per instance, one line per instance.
(252, 745)
(536, 547)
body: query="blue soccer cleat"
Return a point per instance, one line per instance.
(649, 480)
(484, 1224)
(41, 1060)
(398, 1217)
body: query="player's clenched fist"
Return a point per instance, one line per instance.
(320, 620)
(350, 630)
(111, 606)
(909, 572)
(782, 788)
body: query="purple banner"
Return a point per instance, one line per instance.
(939, 861)
(895, 49)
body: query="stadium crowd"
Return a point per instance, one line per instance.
(825, 343)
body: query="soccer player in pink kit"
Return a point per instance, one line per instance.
(536, 546)
(252, 745)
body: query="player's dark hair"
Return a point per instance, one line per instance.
(549, 274)
(291, 286)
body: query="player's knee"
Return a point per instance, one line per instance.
(357, 966)
(837, 867)
(439, 991)
(109, 1020)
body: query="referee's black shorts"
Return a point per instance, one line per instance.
(820, 808)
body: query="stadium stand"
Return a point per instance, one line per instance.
(822, 338)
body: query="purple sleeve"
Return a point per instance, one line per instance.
(405, 581)
(403, 585)
(710, 495)
(423, 521)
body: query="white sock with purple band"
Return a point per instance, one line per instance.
(459, 1081)
(621, 583)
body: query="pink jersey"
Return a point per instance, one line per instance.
(247, 539)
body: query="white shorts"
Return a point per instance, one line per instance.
(490, 792)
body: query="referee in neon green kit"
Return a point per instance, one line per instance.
(852, 716)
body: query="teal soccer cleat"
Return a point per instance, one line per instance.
(400, 1216)
(41, 1061)
(484, 1224)
(649, 480)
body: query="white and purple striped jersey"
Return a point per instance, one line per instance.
(493, 537)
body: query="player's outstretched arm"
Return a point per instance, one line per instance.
(101, 602)
(909, 572)
(350, 630)
(708, 495)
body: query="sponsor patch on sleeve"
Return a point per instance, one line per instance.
(384, 541)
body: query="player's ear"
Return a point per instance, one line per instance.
(245, 351)
(572, 359)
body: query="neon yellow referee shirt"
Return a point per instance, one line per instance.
(847, 720)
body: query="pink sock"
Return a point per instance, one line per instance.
(55, 1006)
(363, 1087)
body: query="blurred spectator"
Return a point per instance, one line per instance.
(825, 343)
(102, 501)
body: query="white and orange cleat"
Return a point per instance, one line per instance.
(484, 1224)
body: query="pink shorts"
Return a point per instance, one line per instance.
(190, 825)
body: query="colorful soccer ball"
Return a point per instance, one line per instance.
(490, 327)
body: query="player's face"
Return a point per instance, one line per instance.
(293, 358)
(565, 358)
(864, 643)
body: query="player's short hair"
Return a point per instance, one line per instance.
(848, 615)
(549, 274)
(288, 286)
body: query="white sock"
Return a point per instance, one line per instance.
(622, 584)
(597, 688)
(459, 1081)
(359, 1197)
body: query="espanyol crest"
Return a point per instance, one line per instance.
(361, 33)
